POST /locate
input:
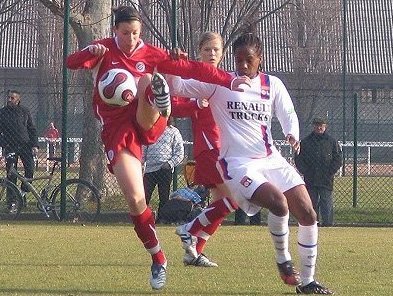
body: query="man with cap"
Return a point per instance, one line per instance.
(320, 157)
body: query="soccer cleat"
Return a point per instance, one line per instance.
(160, 90)
(189, 241)
(13, 208)
(289, 274)
(200, 261)
(158, 276)
(313, 288)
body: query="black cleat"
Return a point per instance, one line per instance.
(313, 288)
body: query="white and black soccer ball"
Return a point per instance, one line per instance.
(117, 87)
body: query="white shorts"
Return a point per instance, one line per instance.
(244, 175)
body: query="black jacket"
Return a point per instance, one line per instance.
(16, 128)
(319, 159)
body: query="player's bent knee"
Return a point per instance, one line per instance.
(307, 217)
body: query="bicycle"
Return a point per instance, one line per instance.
(83, 200)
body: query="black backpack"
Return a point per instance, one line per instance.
(179, 211)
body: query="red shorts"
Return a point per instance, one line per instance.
(126, 133)
(206, 172)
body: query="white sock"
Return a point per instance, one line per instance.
(307, 247)
(279, 231)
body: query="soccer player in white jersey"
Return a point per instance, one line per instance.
(252, 167)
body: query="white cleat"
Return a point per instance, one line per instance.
(188, 240)
(158, 276)
(160, 89)
(200, 261)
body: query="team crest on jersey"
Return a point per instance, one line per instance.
(265, 87)
(246, 181)
(265, 92)
(140, 67)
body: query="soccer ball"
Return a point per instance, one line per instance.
(117, 87)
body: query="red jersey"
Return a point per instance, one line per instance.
(204, 129)
(144, 59)
(52, 133)
(120, 127)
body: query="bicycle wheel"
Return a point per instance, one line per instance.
(83, 201)
(11, 201)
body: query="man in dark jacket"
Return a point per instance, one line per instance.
(18, 134)
(320, 157)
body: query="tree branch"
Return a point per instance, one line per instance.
(54, 7)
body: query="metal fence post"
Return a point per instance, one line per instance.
(64, 113)
(355, 152)
(344, 70)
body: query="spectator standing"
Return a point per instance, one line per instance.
(161, 159)
(51, 136)
(206, 150)
(319, 159)
(18, 135)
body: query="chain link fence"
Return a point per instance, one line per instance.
(356, 101)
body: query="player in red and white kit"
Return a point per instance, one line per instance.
(127, 128)
(206, 146)
(253, 169)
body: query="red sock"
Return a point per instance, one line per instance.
(206, 232)
(211, 217)
(144, 227)
(200, 245)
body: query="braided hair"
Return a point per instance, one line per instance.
(248, 39)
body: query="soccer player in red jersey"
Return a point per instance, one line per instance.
(206, 150)
(127, 128)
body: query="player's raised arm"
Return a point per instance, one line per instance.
(202, 72)
(87, 58)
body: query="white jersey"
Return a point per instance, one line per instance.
(244, 118)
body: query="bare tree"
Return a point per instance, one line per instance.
(89, 19)
(315, 43)
(197, 16)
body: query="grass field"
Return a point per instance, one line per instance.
(374, 199)
(49, 258)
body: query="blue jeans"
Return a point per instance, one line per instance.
(322, 201)
(163, 180)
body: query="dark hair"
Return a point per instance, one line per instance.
(125, 14)
(248, 39)
(319, 121)
(13, 91)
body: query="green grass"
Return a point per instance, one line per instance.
(372, 204)
(62, 259)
